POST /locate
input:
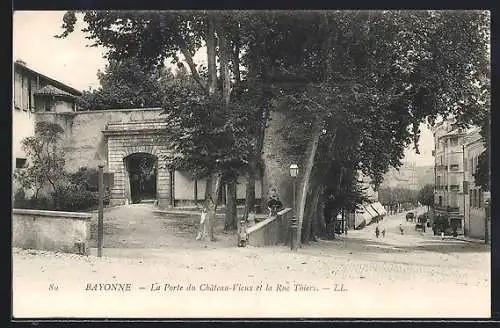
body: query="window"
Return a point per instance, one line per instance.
(453, 179)
(440, 200)
(454, 141)
(471, 166)
(465, 166)
(18, 90)
(26, 95)
(20, 163)
(471, 204)
(453, 200)
(479, 198)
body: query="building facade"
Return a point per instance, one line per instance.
(456, 195)
(34, 92)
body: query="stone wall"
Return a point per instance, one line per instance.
(51, 230)
(271, 231)
(92, 138)
(477, 218)
(84, 143)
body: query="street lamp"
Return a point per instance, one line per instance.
(294, 226)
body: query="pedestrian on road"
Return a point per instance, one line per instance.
(401, 228)
(383, 232)
(202, 231)
(377, 231)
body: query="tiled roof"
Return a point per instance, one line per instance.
(60, 85)
(53, 91)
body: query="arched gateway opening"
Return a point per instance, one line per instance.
(136, 152)
(142, 169)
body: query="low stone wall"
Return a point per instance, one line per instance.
(271, 231)
(57, 231)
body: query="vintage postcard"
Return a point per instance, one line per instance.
(251, 164)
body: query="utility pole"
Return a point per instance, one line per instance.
(486, 219)
(100, 221)
(464, 185)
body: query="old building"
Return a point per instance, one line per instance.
(456, 196)
(34, 92)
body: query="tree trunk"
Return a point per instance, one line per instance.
(318, 219)
(224, 53)
(211, 64)
(189, 60)
(230, 222)
(321, 216)
(304, 186)
(236, 58)
(212, 190)
(311, 213)
(213, 180)
(250, 192)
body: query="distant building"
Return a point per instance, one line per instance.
(408, 176)
(456, 195)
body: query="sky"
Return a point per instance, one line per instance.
(72, 62)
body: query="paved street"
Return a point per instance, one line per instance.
(358, 275)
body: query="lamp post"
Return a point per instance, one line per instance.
(294, 226)
(100, 221)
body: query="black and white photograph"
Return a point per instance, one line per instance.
(180, 164)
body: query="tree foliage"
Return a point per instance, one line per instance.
(394, 196)
(45, 158)
(127, 84)
(426, 195)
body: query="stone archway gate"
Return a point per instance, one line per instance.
(127, 138)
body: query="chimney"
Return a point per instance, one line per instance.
(20, 61)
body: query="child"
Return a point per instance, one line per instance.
(242, 235)
(202, 231)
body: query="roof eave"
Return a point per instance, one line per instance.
(51, 80)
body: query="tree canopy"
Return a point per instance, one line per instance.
(126, 83)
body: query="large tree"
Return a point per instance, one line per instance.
(152, 37)
(426, 195)
(378, 73)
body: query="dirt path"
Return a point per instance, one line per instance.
(137, 226)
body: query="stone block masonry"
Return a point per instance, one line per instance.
(56, 231)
